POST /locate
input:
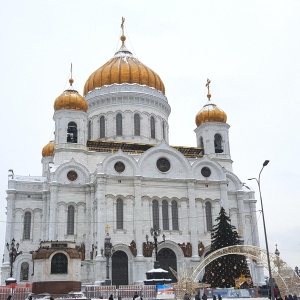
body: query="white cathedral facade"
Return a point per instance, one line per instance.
(110, 171)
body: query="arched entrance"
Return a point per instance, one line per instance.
(119, 268)
(167, 258)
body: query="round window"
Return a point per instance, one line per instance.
(72, 175)
(205, 171)
(119, 167)
(163, 164)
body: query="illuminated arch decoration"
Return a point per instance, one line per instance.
(287, 280)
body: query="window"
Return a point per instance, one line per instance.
(218, 143)
(119, 128)
(59, 264)
(152, 127)
(24, 271)
(90, 130)
(119, 214)
(165, 215)
(72, 133)
(27, 226)
(163, 130)
(202, 144)
(102, 127)
(155, 214)
(137, 125)
(175, 225)
(208, 216)
(70, 222)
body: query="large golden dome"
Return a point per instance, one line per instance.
(48, 149)
(123, 68)
(210, 112)
(70, 99)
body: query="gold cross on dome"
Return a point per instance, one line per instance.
(207, 85)
(107, 227)
(122, 25)
(208, 92)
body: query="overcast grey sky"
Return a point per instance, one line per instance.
(250, 50)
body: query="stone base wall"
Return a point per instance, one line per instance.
(56, 287)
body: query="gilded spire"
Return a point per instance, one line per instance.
(123, 37)
(208, 92)
(71, 79)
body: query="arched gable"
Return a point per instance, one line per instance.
(216, 170)
(108, 165)
(83, 175)
(179, 164)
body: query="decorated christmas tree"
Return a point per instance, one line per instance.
(227, 270)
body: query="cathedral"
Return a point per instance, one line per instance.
(112, 186)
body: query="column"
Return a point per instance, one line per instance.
(101, 211)
(241, 220)
(192, 218)
(224, 196)
(138, 222)
(52, 211)
(254, 227)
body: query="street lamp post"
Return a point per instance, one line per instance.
(265, 232)
(155, 232)
(107, 252)
(13, 253)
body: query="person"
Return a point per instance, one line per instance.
(214, 297)
(9, 297)
(219, 297)
(30, 297)
(186, 297)
(111, 297)
(135, 295)
(197, 296)
(204, 297)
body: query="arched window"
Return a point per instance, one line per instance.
(208, 216)
(155, 214)
(70, 222)
(27, 225)
(163, 130)
(202, 145)
(119, 214)
(102, 127)
(175, 225)
(152, 127)
(24, 271)
(119, 128)
(165, 214)
(137, 125)
(72, 133)
(218, 143)
(90, 130)
(59, 264)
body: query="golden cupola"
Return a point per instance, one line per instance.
(123, 68)
(210, 112)
(48, 150)
(70, 99)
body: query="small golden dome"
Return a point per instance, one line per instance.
(210, 113)
(70, 99)
(48, 149)
(123, 68)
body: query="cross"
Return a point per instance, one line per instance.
(207, 85)
(122, 25)
(107, 227)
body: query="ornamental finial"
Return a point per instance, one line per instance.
(123, 37)
(208, 92)
(71, 79)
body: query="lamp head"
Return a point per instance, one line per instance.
(266, 163)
